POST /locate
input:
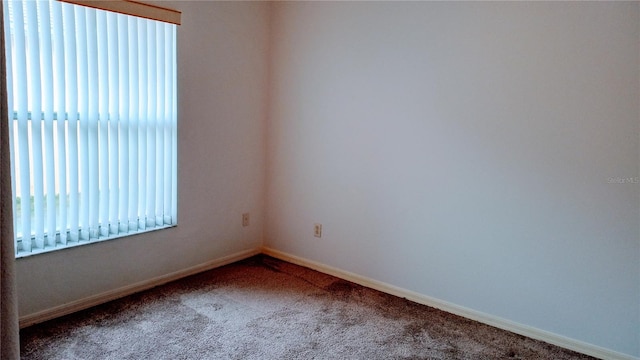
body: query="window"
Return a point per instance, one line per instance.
(92, 106)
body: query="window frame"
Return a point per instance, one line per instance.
(127, 7)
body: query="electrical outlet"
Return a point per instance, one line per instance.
(317, 230)
(245, 219)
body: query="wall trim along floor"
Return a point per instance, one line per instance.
(555, 339)
(104, 297)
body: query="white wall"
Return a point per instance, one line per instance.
(463, 151)
(222, 49)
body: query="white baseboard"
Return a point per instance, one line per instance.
(534, 333)
(102, 298)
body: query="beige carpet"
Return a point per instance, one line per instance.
(263, 308)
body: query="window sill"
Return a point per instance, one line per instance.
(73, 244)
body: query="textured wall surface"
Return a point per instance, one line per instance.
(485, 154)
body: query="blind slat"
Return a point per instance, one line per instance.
(114, 104)
(10, 108)
(48, 134)
(174, 138)
(103, 99)
(123, 144)
(69, 18)
(151, 125)
(166, 157)
(142, 123)
(160, 124)
(21, 102)
(93, 123)
(82, 55)
(35, 140)
(132, 216)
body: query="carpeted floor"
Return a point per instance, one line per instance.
(263, 308)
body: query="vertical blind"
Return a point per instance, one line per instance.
(93, 140)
